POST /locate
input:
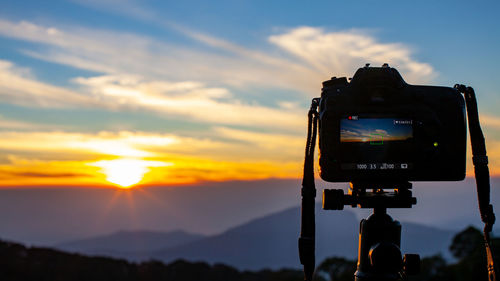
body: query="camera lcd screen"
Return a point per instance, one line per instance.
(368, 143)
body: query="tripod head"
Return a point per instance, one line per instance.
(379, 255)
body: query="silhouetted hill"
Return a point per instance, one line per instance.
(19, 263)
(123, 243)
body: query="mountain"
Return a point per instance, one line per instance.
(126, 244)
(271, 241)
(266, 242)
(425, 240)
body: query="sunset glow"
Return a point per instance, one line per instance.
(125, 158)
(127, 172)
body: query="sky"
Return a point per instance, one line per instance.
(117, 93)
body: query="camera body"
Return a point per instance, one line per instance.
(378, 128)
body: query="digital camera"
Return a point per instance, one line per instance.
(378, 128)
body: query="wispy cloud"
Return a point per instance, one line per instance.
(490, 121)
(341, 52)
(17, 87)
(98, 145)
(16, 125)
(187, 99)
(317, 54)
(272, 146)
(221, 142)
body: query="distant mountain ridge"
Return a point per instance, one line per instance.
(129, 243)
(271, 242)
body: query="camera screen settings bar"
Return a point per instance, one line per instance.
(376, 166)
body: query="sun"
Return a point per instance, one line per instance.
(127, 172)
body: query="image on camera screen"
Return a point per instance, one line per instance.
(375, 131)
(376, 143)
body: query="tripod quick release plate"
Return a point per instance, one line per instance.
(400, 197)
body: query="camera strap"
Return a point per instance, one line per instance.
(482, 174)
(308, 224)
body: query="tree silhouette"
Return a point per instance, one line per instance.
(466, 243)
(338, 269)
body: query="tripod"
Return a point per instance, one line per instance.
(379, 254)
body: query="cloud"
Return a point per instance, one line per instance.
(28, 172)
(221, 143)
(48, 175)
(186, 99)
(316, 55)
(17, 87)
(15, 125)
(490, 121)
(191, 100)
(101, 144)
(96, 50)
(341, 52)
(275, 146)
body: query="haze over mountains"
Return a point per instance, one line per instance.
(48, 216)
(128, 243)
(267, 242)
